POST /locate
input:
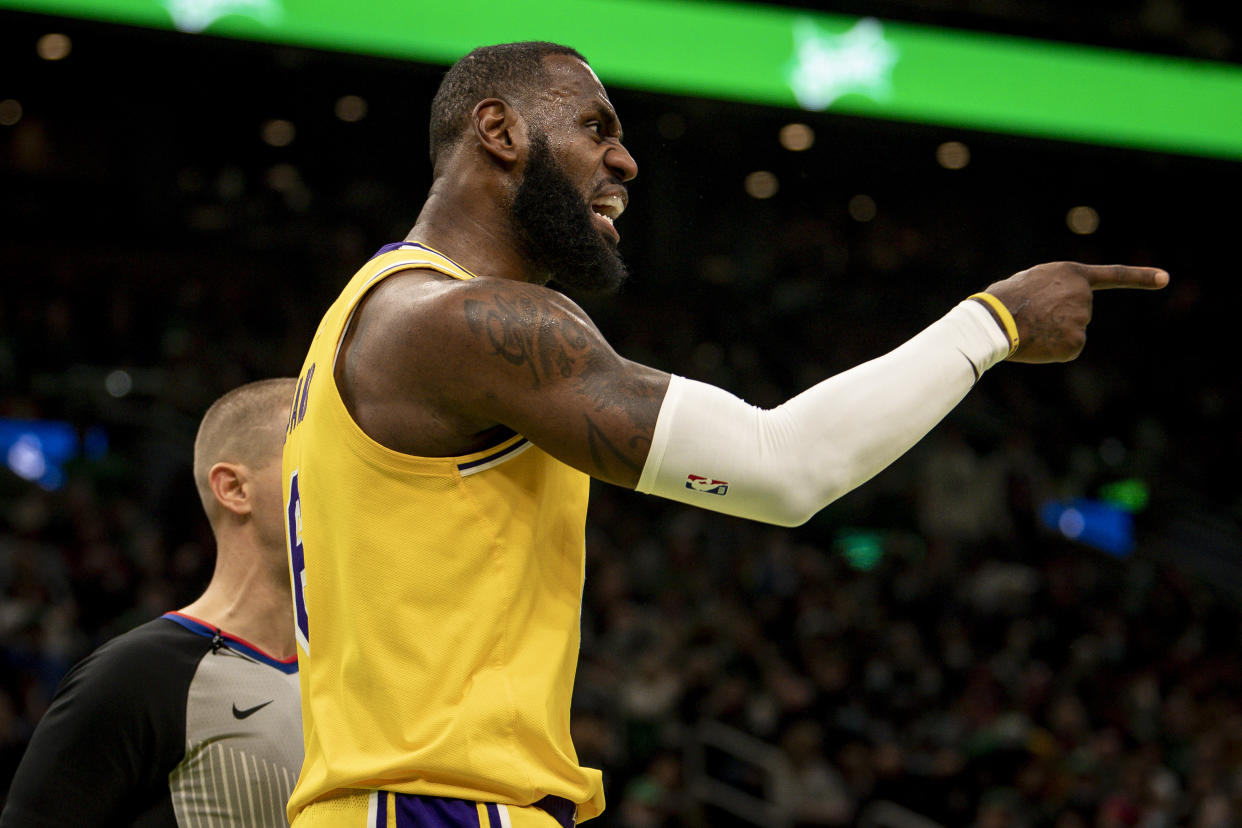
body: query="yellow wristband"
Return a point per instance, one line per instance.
(1006, 318)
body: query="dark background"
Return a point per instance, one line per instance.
(984, 669)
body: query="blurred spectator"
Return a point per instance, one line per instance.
(977, 669)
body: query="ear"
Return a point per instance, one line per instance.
(499, 128)
(230, 485)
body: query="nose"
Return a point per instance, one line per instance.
(619, 161)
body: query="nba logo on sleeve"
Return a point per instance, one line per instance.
(706, 485)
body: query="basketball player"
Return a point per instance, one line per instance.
(192, 718)
(451, 410)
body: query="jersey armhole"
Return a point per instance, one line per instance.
(415, 263)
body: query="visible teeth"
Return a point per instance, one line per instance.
(609, 206)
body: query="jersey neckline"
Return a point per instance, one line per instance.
(417, 245)
(199, 627)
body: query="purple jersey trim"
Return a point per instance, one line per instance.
(388, 248)
(492, 458)
(410, 245)
(415, 811)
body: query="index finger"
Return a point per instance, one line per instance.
(1107, 277)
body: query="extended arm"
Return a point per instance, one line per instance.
(528, 358)
(783, 465)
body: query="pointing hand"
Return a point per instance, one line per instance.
(1051, 304)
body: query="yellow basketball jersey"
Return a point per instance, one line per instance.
(438, 600)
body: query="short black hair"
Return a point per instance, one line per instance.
(499, 71)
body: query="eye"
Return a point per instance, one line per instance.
(596, 127)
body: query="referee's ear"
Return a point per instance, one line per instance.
(231, 488)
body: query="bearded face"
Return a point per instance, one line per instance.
(553, 222)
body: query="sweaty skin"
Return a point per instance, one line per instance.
(438, 367)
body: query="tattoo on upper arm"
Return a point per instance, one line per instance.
(531, 333)
(525, 332)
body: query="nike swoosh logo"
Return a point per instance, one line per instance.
(241, 714)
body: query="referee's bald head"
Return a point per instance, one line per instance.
(247, 427)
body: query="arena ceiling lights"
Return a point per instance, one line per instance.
(768, 55)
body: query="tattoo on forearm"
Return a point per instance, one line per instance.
(606, 455)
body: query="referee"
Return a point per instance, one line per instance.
(192, 718)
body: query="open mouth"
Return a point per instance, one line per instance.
(607, 209)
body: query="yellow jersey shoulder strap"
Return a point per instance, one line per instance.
(411, 255)
(389, 259)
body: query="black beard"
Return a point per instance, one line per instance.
(555, 227)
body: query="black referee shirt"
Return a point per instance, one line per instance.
(171, 724)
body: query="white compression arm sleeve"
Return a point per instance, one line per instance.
(711, 449)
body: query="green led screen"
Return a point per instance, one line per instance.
(768, 55)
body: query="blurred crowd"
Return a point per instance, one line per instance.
(927, 641)
(970, 665)
(991, 679)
